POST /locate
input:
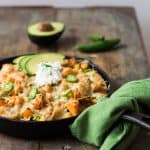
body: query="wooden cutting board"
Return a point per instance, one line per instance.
(129, 62)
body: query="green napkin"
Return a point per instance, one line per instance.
(101, 125)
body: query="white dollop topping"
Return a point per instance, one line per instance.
(48, 73)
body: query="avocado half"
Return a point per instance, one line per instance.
(47, 37)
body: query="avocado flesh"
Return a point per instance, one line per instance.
(32, 63)
(28, 63)
(16, 60)
(23, 61)
(58, 27)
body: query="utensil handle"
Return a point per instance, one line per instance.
(140, 119)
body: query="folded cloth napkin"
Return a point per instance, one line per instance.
(101, 125)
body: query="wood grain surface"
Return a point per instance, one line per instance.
(128, 62)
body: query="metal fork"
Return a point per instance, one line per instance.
(140, 119)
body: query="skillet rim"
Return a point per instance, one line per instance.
(91, 64)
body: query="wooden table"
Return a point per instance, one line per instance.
(129, 62)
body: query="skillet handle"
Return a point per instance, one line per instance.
(143, 120)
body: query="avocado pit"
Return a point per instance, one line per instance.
(45, 27)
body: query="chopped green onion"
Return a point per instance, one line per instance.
(66, 93)
(8, 87)
(33, 93)
(47, 65)
(72, 78)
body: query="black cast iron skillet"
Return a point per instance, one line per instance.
(32, 129)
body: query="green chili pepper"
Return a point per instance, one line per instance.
(33, 93)
(71, 78)
(87, 70)
(36, 118)
(8, 87)
(96, 37)
(99, 46)
(66, 93)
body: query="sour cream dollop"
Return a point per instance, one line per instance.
(48, 73)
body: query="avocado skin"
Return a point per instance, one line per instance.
(45, 40)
